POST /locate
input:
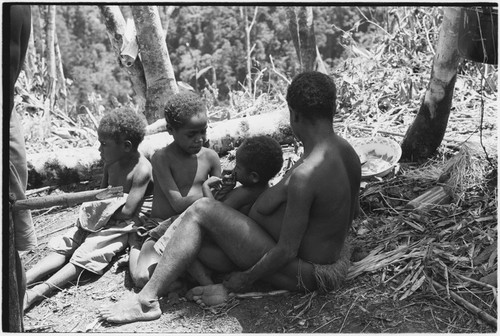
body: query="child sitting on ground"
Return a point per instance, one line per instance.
(103, 226)
(179, 171)
(258, 159)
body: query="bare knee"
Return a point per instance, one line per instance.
(202, 206)
(201, 210)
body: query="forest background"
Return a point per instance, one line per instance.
(206, 45)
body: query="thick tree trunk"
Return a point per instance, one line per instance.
(427, 131)
(74, 165)
(116, 27)
(301, 25)
(160, 78)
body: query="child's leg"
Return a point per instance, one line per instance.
(66, 274)
(200, 273)
(51, 263)
(135, 244)
(142, 269)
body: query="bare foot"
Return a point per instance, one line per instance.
(131, 309)
(210, 295)
(34, 295)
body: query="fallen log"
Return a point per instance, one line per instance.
(68, 200)
(74, 165)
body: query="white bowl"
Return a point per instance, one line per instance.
(379, 154)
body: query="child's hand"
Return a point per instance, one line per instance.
(228, 178)
(213, 182)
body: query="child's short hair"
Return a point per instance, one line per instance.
(261, 154)
(181, 107)
(123, 124)
(312, 94)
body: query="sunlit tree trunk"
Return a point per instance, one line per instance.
(427, 130)
(38, 33)
(51, 67)
(249, 49)
(61, 80)
(116, 28)
(301, 26)
(160, 78)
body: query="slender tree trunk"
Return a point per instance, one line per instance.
(168, 10)
(427, 130)
(301, 26)
(61, 80)
(51, 66)
(116, 26)
(160, 78)
(249, 49)
(39, 38)
(30, 64)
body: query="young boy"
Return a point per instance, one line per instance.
(179, 171)
(258, 159)
(103, 226)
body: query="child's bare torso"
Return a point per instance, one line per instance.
(188, 173)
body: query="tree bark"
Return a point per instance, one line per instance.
(427, 130)
(301, 26)
(61, 80)
(160, 78)
(248, 30)
(115, 26)
(75, 165)
(51, 68)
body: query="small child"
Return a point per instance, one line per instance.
(258, 160)
(103, 226)
(179, 171)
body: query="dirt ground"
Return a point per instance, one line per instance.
(363, 305)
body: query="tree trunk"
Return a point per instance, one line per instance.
(74, 165)
(30, 63)
(248, 30)
(38, 34)
(301, 25)
(61, 80)
(51, 67)
(427, 130)
(116, 26)
(160, 78)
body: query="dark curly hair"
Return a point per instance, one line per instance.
(181, 107)
(261, 154)
(123, 124)
(313, 95)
